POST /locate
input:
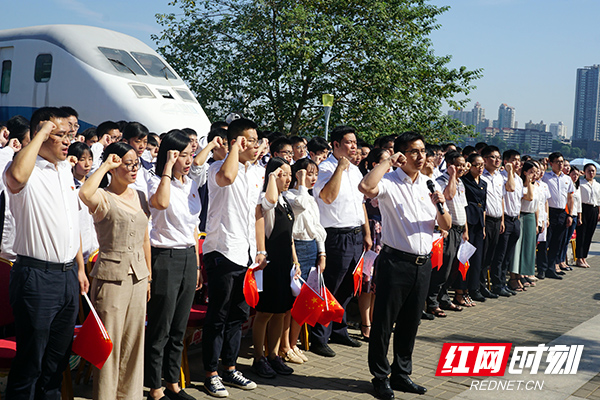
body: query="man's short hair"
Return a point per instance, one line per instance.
(105, 127)
(45, 114)
(221, 132)
(553, 156)
(279, 144)
(70, 110)
(317, 144)
(472, 157)
(135, 130)
(480, 145)
(237, 128)
(189, 132)
(338, 133)
(219, 124)
(468, 150)
(403, 141)
(447, 146)
(489, 150)
(294, 140)
(508, 154)
(451, 156)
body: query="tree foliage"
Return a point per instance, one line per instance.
(272, 60)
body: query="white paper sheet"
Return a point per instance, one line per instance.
(465, 251)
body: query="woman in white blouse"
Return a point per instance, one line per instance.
(175, 207)
(590, 200)
(309, 240)
(529, 226)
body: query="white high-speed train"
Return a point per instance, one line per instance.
(104, 75)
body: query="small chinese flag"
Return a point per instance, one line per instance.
(333, 312)
(250, 288)
(463, 268)
(92, 342)
(357, 275)
(437, 253)
(307, 306)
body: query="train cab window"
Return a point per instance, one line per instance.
(5, 79)
(154, 65)
(43, 68)
(122, 61)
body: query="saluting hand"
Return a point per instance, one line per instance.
(217, 142)
(72, 160)
(242, 143)
(14, 144)
(172, 156)
(301, 177)
(509, 168)
(113, 162)
(398, 160)
(343, 163)
(45, 128)
(451, 171)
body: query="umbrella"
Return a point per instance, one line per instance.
(581, 162)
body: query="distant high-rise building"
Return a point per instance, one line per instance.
(586, 122)
(538, 127)
(506, 117)
(558, 130)
(475, 117)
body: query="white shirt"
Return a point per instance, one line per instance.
(590, 192)
(307, 224)
(230, 209)
(407, 213)
(175, 226)
(8, 233)
(45, 212)
(495, 190)
(457, 205)
(346, 211)
(576, 203)
(543, 196)
(256, 177)
(559, 186)
(531, 206)
(512, 200)
(97, 150)
(199, 173)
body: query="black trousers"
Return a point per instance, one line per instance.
(438, 289)
(541, 257)
(343, 252)
(45, 305)
(492, 235)
(401, 290)
(475, 277)
(585, 231)
(227, 311)
(505, 251)
(557, 232)
(174, 276)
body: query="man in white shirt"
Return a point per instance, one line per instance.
(409, 214)
(227, 254)
(494, 212)
(561, 197)
(505, 249)
(344, 217)
(590, 199)
(48, 274)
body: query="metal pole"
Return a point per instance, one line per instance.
(327, 114)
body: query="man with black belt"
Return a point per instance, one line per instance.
(344, 217)
(409, 213)
(505, 250)
(561, 197)
(49, 274)
(494, 215)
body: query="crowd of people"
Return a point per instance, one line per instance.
(293, 207)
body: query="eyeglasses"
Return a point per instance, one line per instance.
(477, 165)
(132, 166)
(73, 126)
(286, 153)
(493, 157)
(300, 147)
(252, 142)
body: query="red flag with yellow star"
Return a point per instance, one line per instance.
(308, 306)
(437, 253)
(357, 275)
(333, 310)
(250, 288)
(463, 268)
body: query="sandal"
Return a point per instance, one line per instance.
(518, 287)
(526, 281)
(469, 300)
(451, 307)
(438, 312)
(362, 332)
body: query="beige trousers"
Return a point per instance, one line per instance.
(122, 308)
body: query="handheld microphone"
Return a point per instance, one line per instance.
(431, 188)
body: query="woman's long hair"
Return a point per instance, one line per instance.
(272, 165)
(173, 140)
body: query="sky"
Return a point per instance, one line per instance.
(529, 50)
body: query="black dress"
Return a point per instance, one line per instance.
(276, 296)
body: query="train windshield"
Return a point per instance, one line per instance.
(153, 65)
(122, 61)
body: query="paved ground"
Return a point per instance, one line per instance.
(561, 312)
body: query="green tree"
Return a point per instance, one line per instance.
(273, 59)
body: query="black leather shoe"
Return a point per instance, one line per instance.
(382, 388)
(561, 273)
(541, 275)
(322, 350)
(509, 290)
(345, 340)
(477, 296)
(552, 275)
(181, 395)
(501, 292)
(427, 316)
(487, 294)
(405, 384)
